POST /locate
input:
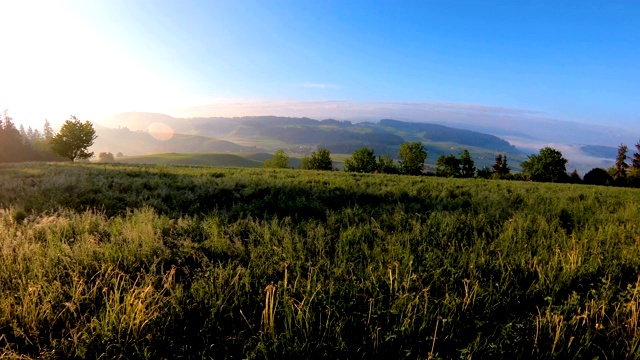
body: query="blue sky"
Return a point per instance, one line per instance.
(575, 61)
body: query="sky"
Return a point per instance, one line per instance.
(567, 60)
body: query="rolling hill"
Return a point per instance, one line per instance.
(298, 136)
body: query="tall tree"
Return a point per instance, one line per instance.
(448, 166)
(501, 167)
(386, 165)
(467, 166)
(47, 132)
(621, 162)
(319, 160)
(12, 147)
(23, 133)
(412, 157)
(280, 160)
(548, 165)
(636, 157)
(362, 161)
(74, 139)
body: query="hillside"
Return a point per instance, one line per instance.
(298, 136)
(142, 142)
(146, 261)
(249, 160)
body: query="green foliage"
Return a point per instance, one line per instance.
(574, 177)
(386, 165)
(106, 157)
(319, 160)
(122, 261)
(362, 161)
(484, 173)
(22, 145)
(412, 157)
(636, 157)
(621, 163)
(547, 166)
(467, 166)
(280, 160)
(500, 167)
(598, 176)
(74, 139)
(448, 166)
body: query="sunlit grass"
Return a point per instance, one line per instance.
(159, 261)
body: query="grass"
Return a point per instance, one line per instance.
(149, 261)
(210, 159)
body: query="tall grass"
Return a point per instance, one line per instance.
(149, 262)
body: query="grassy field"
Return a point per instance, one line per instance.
(209, 159)
(132, 261)
(249, 160)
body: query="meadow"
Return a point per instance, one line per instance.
(155, 261)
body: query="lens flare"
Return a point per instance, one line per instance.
(160, 131)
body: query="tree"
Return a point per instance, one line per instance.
(548, 165)
(636, 157)
(485, 173)
(74, 139)
(319, 160)
(12, 144)
(574, 177)
(106, 157)
(500, 167)
(448, 166)
(119, 154)
(621, 163)
(47, 131)
(412, 157)
(386, 165)
(597, 176)
(467, 166)
(280, 160)
(362, 161)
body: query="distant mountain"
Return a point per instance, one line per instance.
(606, 152)
(301, 135)
(140, 142)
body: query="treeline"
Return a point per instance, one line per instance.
(412, 157)
(18, 144)
(548, 165)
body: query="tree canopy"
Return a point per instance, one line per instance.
(319, 160)
(598, 176)
(467, 166)
(362, 161)
(501, 167)
(621, 162)
(636, 156)
(448, 166)
(386, 165)
(548, 165)
(412, 157)
(74, 139)
(280, 160)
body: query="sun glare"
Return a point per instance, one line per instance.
(61, 63)
(160, 131)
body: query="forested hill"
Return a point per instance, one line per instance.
(273, 132)
(441, 133)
